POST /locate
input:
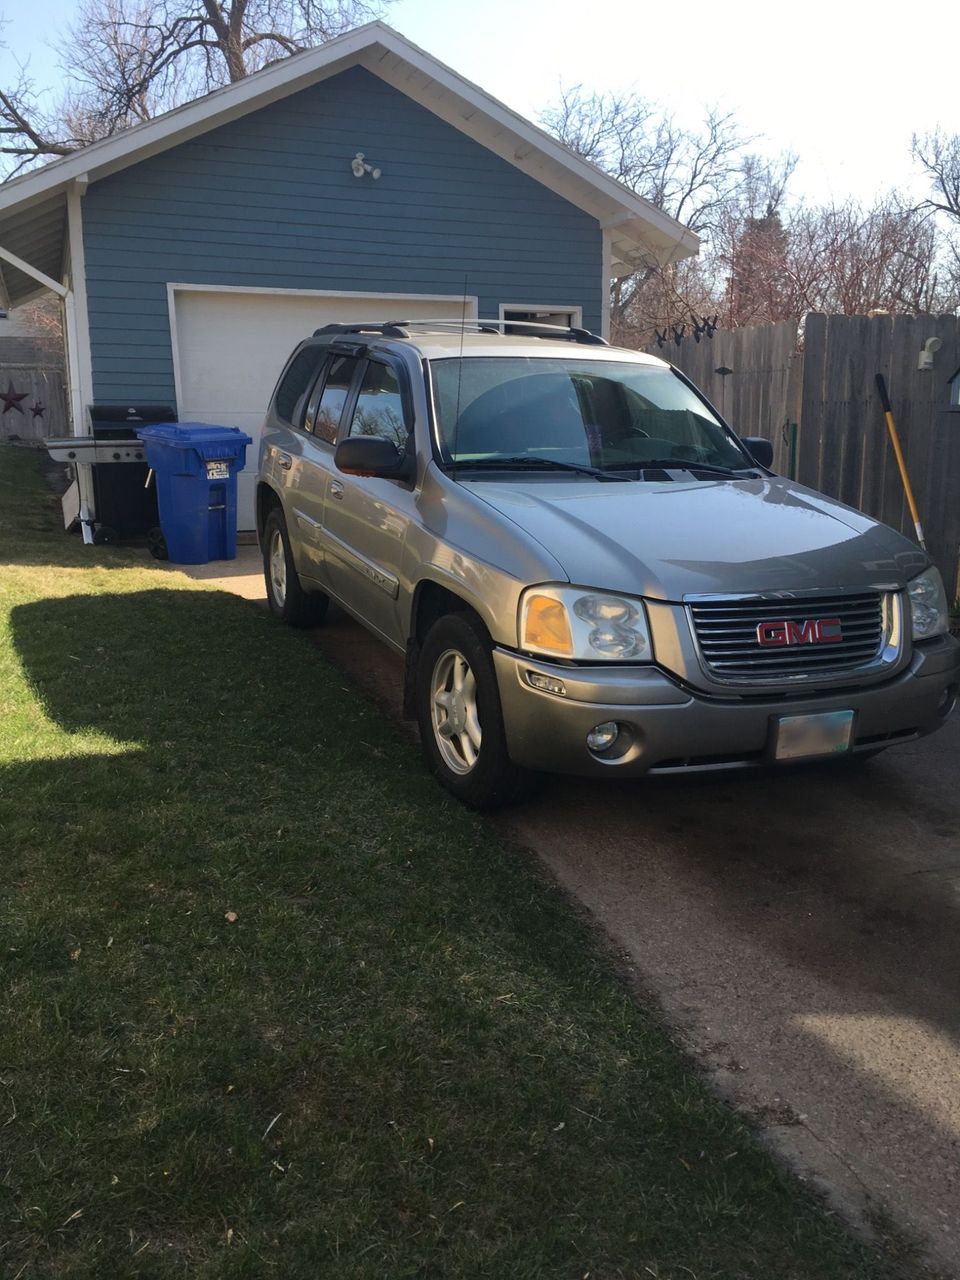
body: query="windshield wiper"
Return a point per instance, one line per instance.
(534, 464)
(685, 464)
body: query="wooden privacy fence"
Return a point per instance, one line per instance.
(821, 377)
(42, 387)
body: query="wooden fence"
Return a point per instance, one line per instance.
(821, 377)
(42, 387)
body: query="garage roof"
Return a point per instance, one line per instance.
(32, 206)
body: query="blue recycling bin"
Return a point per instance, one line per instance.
(195, 467)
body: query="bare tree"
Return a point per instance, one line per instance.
(939, 155)
(687, 173)
(127, 60)
(850, 260)
(43, 319)
(27, 132)
(706, 178)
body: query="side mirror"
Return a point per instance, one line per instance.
(760, 450)
(374, 456)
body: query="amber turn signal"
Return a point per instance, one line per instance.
(546, 626)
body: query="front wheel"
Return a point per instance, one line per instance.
(287, 599)
(460, 718)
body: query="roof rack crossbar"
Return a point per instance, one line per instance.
(388, 328)
(506, 328)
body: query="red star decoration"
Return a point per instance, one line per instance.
(37, 409)
(11, 400)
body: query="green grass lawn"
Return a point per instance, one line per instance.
(407, 1055)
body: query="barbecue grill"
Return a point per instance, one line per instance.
(111, 471)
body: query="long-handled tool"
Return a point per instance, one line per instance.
(901, 463)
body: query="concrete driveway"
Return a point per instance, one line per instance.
(801, 930)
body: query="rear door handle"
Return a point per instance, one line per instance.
(285, 460)
(336, 489)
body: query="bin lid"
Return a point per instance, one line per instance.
(208, 440)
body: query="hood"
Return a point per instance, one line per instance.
(670, 539)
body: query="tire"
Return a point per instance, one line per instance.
(157, 544)
(457, 688)
(287, 599)
(105, 536)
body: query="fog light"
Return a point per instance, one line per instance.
(549, 684)
(603, 736)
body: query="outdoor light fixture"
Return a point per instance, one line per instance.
(928, 351)
(360, 167)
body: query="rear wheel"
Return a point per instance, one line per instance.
(460, 718)
(287, 599)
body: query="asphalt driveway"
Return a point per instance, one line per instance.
(801, 930)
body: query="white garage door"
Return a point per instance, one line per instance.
(232, 344)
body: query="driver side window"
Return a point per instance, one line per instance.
(379, 409)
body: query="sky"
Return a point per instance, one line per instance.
(843, 85)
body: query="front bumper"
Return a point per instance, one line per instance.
(666, 727)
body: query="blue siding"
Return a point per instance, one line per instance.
(270, 201)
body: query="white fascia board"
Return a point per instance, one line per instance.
(401, 63)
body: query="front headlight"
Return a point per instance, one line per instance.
(587, 626)
(928, 605)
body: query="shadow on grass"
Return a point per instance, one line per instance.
(228, 717)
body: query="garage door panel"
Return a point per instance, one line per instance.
(231, 346)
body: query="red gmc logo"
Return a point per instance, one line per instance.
(775, 635)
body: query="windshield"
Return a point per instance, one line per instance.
(591, 413)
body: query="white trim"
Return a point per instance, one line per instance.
(471, 301)
(73, 367)
(174, 344)
(398, 61)
(78, 423)
(33, 272)
(606, 278)
(575, 313)
(83, 392)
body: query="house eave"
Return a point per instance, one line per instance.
(641, 233)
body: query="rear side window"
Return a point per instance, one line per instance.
(329, 411)
(379, 410)
(292, 392)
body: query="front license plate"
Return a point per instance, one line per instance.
(828, 733)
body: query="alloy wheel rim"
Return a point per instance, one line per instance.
(455, 716)
(278, 568)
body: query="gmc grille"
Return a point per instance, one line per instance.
(726, 630)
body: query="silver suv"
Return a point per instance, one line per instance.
(585, 568)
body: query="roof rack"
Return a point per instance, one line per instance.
(505, 328)
(389, 328)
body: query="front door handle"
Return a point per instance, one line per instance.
(285, 461)
(336, 489)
